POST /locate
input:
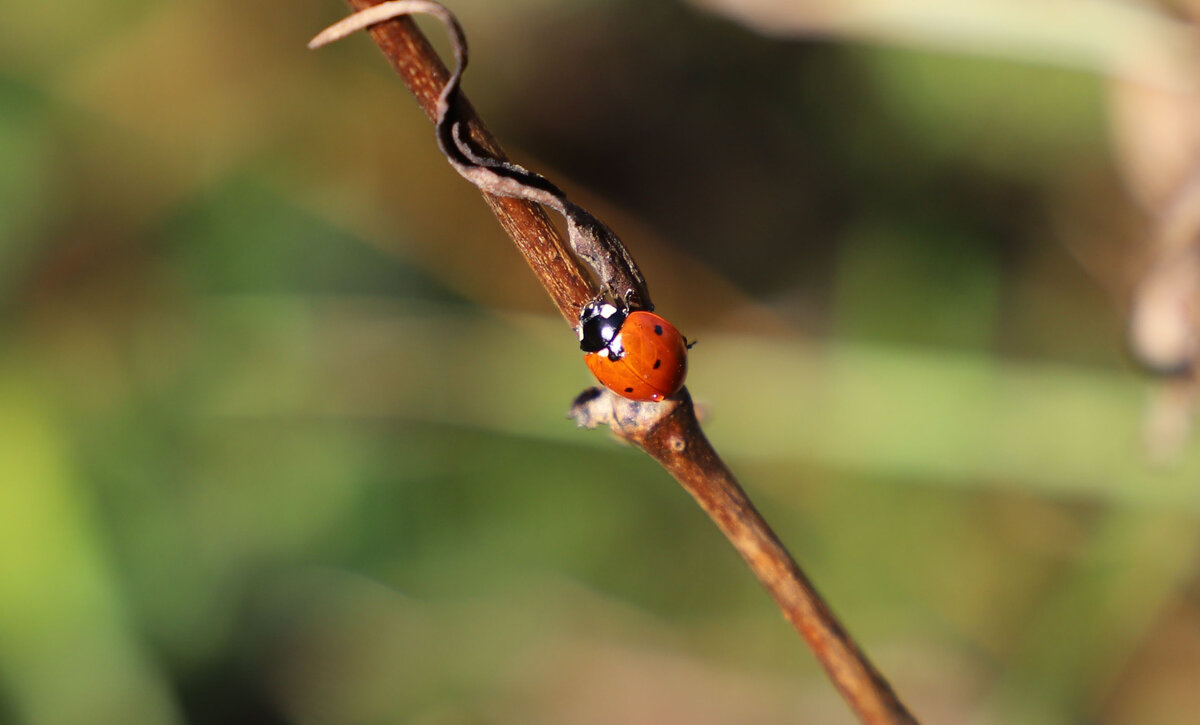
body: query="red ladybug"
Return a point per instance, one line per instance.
(637, 355)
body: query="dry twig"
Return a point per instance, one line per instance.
(669, 431)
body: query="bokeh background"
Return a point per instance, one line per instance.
(282, 433)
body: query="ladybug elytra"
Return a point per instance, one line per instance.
(638, 355)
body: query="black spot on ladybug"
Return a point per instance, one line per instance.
(658, 329)
(657, 364)
(628, 390)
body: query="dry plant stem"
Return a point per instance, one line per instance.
(669, 431)
(671, 435)
(539, 241)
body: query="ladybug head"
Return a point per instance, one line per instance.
(599, 323)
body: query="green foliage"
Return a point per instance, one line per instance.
(281, 415)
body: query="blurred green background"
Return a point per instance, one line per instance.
(282, 433)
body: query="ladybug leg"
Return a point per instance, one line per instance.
(689, 345)
(632, 300)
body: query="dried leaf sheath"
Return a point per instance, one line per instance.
(594, 243)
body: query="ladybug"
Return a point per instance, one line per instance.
(637, 355)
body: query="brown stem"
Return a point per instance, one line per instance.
(526, 223)
(669, 431)
(671, 435)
